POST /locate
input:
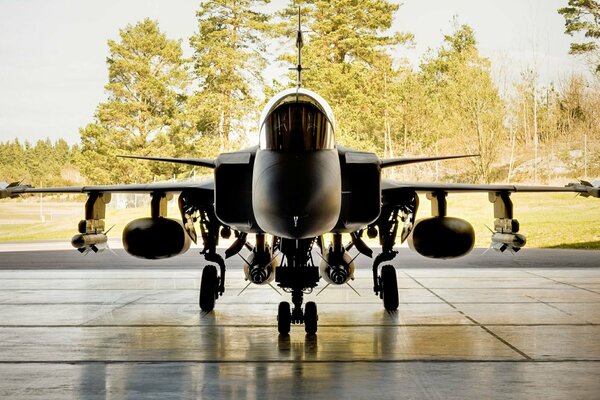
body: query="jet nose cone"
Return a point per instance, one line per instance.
(296, 196)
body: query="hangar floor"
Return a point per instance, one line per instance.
(485, 326)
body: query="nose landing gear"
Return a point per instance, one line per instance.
(285, 317)
(310, 318)
(297, 275)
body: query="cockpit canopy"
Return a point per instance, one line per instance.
(297, 120)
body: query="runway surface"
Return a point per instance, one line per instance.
(484, 326)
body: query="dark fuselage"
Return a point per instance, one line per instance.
(296, 195)
(297, 183)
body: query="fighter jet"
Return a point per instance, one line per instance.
(297, 186)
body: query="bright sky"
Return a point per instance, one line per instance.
(53, 53)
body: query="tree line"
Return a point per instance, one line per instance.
(162, 102)
(44, 163)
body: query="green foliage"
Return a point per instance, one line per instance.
(349, 65)
(143, 114)
(229, 56)
(45, 163)
(160, 103)
(566, 118)
(583, 17)
(466, 105)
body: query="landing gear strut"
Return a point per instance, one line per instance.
(385, 284)
(212, 284)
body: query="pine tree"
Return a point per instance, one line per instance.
(143, 113)
(348, 64)
(41, 163)
(583, 17)
(229, 49)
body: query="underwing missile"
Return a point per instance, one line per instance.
(512, 241)
(89, 241)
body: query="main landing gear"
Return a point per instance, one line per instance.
(212, 284)
(385, 284)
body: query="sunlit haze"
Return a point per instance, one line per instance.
(53, 53)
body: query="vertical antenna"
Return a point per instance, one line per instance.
(299, 44)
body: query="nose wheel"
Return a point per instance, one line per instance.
(308, 317)
(284, 318)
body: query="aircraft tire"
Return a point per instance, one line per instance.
(208, 288)
(310, 318)
(284, 318)
(389, 288)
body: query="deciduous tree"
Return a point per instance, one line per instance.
(466, 99)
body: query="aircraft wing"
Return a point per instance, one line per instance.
(391, 189)
(207, 188)
(92, 233)
(402, 196)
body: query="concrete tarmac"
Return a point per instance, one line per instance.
(484, 326)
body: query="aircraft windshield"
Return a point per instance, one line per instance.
(297, 126)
